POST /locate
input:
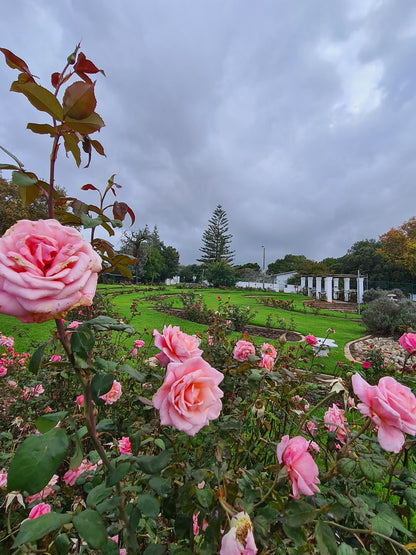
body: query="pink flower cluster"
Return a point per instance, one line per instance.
(71, 476)
(9, 357)
(46, 492)
(408, 342)
(45, 269)
(39, 510)
(113, 395)
(239, 540)
(189, 396)
(302, 469)
(392, 408)
(124, 446)
(29, 392)
(335, 421)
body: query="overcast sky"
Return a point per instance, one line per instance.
(298, 117)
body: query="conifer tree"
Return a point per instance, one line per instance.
(215, 239)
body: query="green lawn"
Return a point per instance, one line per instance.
(147, 319)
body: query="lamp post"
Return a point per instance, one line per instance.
(264, 262)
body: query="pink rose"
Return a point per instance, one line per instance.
(45, 270)
(113, 395)
(408, 342)
(71, 476)
(311, 339)
(124, 446)
(39, 510)
(335, 421)
(80, 400)
(195, 525)
(139, 343)
(43, 494)
(177, 345)
(242, 350)
(3, 371)
(301, 467)
(134, 352)
(366, 365)
(74, 325)
(300, 403)
(189, 397)
(268, 349)
(392, 408)
(3, 478)
(122, 550)
(239, 540)
(267, 362)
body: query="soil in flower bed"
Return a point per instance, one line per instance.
(258, 331)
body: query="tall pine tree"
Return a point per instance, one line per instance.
(215, 240)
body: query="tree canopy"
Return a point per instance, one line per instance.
(399, 245)
(216, 241)
(12, 208)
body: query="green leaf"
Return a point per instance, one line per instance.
(71, 145)
(410, 496)
(370, 470)
(346, 467)
(78, 455)
(148, 505)
(106, 365)
(117, 474)
(90, 527)
(345, 549)
(298, 512)
(82, 341)
(296, 533)
(110, 548)
(36, 528)
(23, 179)
(29, 194)
(8, 167)
(138, 376)
(97, 495)
(325, 539)
(36, 359)
(100, 385)
(162, 486)
(387, 519)
(84, 126)
(36, 460)
(155, 549)
(88, 222)
(153, 464)
(204, 497)
(105, 425)
(61, 543)
(48, 421)
(41, 128)
(41, 99)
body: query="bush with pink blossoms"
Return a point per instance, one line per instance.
(227, 446)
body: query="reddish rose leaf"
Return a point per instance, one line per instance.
(71, 145)
(15, 62)
(85, 66)
(119, 210)
(79, 100)
(98, 147)
(89, 187)
(55, 79)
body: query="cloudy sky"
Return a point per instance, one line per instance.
(298, 117)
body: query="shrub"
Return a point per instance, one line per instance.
(385, 317)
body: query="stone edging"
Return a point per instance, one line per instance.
(347, 351)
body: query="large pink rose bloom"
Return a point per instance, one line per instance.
(408, 342)
(392, 408)
(242, 350)
(176, 345)
(189, 397)
(239, 540)
(45, 269)
(301, 467)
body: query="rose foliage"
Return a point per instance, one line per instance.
(117, 442)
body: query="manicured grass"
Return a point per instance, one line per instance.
(147, 319)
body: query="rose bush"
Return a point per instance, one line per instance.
(45, 270)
